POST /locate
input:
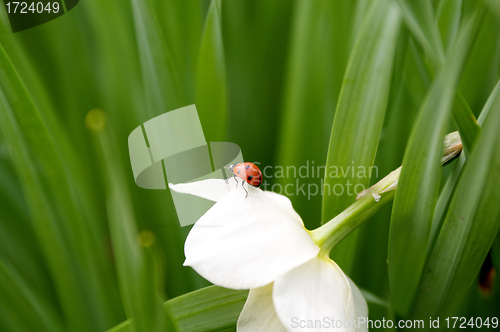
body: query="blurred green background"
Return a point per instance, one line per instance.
(265, 75)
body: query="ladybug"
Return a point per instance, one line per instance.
(248, 172)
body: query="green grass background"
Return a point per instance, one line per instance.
(266, 75)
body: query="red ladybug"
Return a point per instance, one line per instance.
(248, 172)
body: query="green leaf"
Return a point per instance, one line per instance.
(255, 75)
(450, 186)
(359, 116)
(68, 247)
(135, 267)
(125, 326)
(208, 309)
(181, 23)
(371, 246)
(321, 37)
(489, 103)
(443, 201)
(448, 17)
(469, 229)
(466, 122)
(462, 113)
(495, 252)
(418, 186)
(482, 69)
(211, 92)
(18, 298)
(419, 16)
(161, 82)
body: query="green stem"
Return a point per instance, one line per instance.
(331, 233)
(370, 201)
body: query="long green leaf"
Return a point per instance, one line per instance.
(256, 75)
(18, 297)
(489, 103)
(135, 270)
(495, 252)
(317, 60)
(68, 248)
(211, 92)
(418, 186)
(208, 309)
(359, 116)
(448, 18)
(481, 72)
(450, 186)
(181, 23)
(469, 229)
(161, 81)
(419, 16)
(371, 247)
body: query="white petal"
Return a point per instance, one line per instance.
(358, 306)
(248, 242)
(317, 296)
(211, 189)
(258, 313)
(284, 202)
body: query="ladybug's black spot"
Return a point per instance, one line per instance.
(249, 178)
(247, 166)
(239, 171)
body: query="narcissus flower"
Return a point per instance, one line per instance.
(259, 243)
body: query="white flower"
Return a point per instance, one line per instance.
(259, 243)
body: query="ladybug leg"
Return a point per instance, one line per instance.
(235, 179)
(244, 189)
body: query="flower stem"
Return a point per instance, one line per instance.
(331, 233)
(371, 200)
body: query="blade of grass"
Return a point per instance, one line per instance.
(208, 309)
(466, 122)
(160, 78)
(26, 283)
(211, 92)
(54, 70)
(469, 229)
(256, 75)
(319, 51)
(495, 252)
(371, 246)
(483, 68)
(418, 186)
(489, 103)
(135, 270)
(182, 26)
(18, 299)
(371, 251)
(448, 17)
(450, 186)
(359, 116)
(421, 20)
(66, 246)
